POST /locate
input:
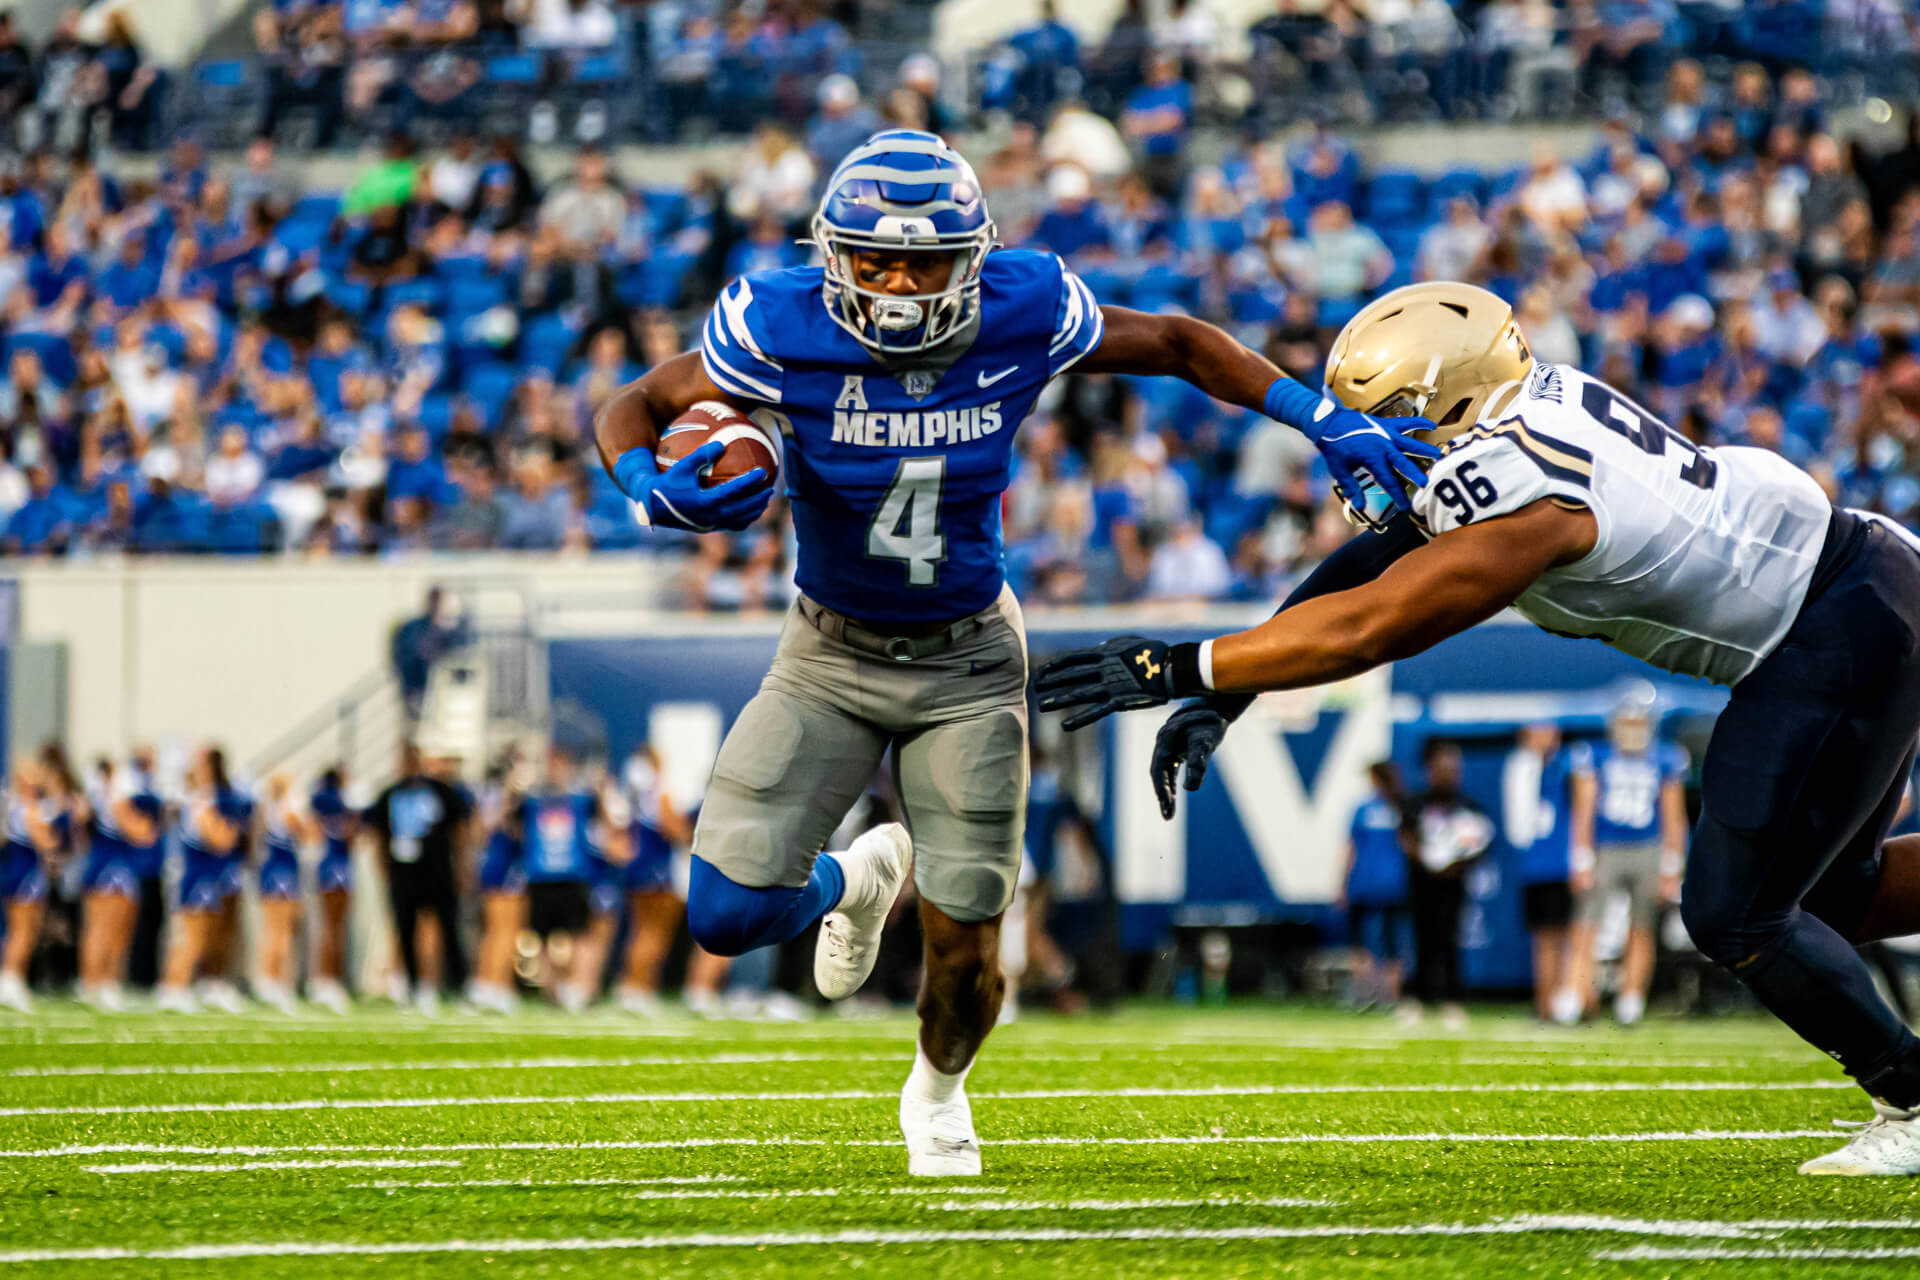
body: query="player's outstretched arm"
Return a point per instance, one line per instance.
(1460, 578)
(1177, 346)
(1192, 734)
(627, 430)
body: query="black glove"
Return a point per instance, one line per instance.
(1191, 735)
(1125, 673)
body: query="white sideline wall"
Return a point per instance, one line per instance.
(187, 649)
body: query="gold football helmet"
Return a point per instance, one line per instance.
(1443, 351)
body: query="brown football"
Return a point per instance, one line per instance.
(748, 444)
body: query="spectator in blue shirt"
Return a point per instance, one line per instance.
(44, 521)
(1047, 51)
(56, 267)
(1071, 226)
(843, 123)
(1374, 891)
(1158, 116)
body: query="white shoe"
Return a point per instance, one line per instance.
(112, 999)
(703, 1004)
(397, 988)
(573, 997)
(218, 993)
(744, 1006)
(940, 1141)
(1453, 1018)
(876, 865)
(329, 995)
(1565, 1008)
(640, 1002)
(14, 994)
(1409, 1013)
(1888, 1147)
(781, 1007)
(276, 997)
(1629, 1008)
(426, 1002)
(175, 1000)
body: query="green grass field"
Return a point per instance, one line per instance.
(1251, 1142)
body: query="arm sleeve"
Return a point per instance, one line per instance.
(734, 346)
(1355, 563)
(1077, 324)
(1579, 758)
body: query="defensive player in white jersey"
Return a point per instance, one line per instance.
(1558, 496)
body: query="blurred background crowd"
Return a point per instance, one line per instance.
(206, 349)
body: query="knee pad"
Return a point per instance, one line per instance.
(729, 919)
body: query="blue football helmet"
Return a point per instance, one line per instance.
(906, 190)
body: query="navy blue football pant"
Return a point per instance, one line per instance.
(1800, 783)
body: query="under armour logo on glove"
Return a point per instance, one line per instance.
(1125, 673)
(1148, 666)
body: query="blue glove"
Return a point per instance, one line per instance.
(1190, 736)
(675, 498)
(1352, 441)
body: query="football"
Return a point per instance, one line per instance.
(748, 444)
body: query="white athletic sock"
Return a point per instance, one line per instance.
(933, 1085)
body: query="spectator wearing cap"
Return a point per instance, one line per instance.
(1158, 117)
(842, 123)
(1071, 227)
(920, 76)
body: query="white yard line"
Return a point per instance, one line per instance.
(1532, 1225)
(689, 1144)
(1658, 1253)
(1124, 1206)
(251, 1166)
(864, 1095)
(526, 1183)
(427, 1064)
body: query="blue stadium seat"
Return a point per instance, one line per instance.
(514, 69)
(1457, 182)
(229, 73)
(547, 341)
(598, 69)
(464, 267)
(1396, 197)
(301, 236)
(489, 387)
(468, 298)
(436, 413)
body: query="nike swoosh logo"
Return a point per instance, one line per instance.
(980, 668)
(985, 381)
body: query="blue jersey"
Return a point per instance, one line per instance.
(1628, 808)
(136, 787)
(555, 830)
(1544, 861)
(895, 481)
(335, 816)
(1379, 874)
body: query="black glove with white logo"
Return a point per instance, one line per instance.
(1125, 673)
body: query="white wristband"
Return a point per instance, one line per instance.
(1580, 858)
(1206, 664)
(1672, 862)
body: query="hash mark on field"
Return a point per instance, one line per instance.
(251, 1166)
(865, 1095)
(1530, 1225)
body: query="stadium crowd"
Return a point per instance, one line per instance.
(215, 359)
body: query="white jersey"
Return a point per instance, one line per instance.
(1703, 555)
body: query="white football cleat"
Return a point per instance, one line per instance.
(329, 995)
(14, 994)
(940, 1141)
(876, 865)
(1889, 1147)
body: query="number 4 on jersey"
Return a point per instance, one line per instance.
(907, 524)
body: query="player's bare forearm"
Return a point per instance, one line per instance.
(1583, 800)
(632, 416)
(1174, 346)
(1673, 816)
(1460, 578)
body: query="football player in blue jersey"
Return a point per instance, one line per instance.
(896, 373)
(1627, 833)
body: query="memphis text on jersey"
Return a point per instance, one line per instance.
(854, 423)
